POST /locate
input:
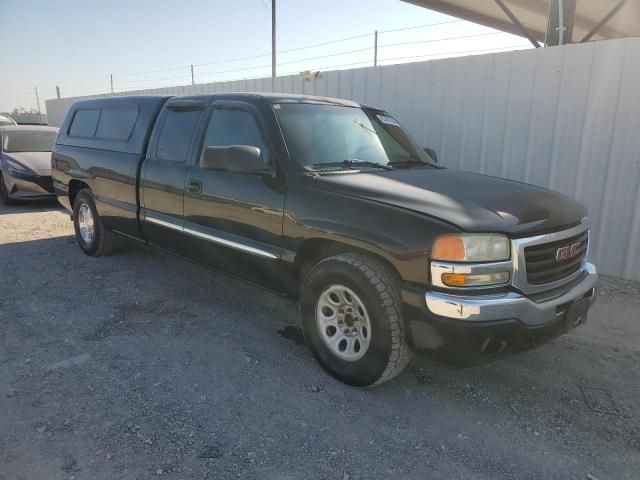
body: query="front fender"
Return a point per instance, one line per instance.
(402, 237)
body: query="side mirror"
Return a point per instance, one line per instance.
(234, 158)
(432, 153)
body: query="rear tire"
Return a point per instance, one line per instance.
(351, 315)
(94, 239)
(4, 193)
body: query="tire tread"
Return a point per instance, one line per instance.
(107, 240)
(384, 281)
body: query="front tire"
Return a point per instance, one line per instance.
(92, 236)
(351, 314)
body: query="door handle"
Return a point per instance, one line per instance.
(195, 187)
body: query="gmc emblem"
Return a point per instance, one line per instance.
(565, 253)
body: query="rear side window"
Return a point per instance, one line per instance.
(84, 123)
(116, 123)
(175, 136)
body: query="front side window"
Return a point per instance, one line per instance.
(28, 141)
(175, 137)
(319, 136)
(234, 127)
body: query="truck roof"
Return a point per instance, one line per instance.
(139, 112)
(296, 98)
(270, 97)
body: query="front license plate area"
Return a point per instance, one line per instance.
(577, 313)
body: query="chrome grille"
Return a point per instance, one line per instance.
(543, 265)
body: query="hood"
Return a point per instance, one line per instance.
(39, 162)
(472, 202)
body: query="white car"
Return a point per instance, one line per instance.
(25, 162)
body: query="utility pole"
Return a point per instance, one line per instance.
(38, 103)
(58, 92)
(111, 77)
(561, 27)
(273, 38)
(375, 49)
(193, 81)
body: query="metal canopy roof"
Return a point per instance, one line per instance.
(551, 22)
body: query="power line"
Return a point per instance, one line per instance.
(421, 26)
(354, 51)
(495, 49)
(252, 57)
(152, 79)
(454, 53)
(104, 78)
(331, 42)
(368, 62)
(340, 65)
(289, 62)
(285, 51)
(413, 56)
(19, 95)
(435, 40)
(15, 87)
(152, 71)
(124, 83)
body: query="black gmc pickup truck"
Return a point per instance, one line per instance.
(331, 202)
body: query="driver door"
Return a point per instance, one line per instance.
(233, 221)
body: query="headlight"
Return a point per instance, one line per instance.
(471, 247)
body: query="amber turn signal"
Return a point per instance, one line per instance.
(450, 247)
(475, 280)
(454, 279)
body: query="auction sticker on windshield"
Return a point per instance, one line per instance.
(388, 120)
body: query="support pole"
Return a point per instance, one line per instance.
(38, 103)
(111, 77)
(58, 92)
(560, 22)
(193, 81)
(561, 27)
(273, 38)
(375, 49)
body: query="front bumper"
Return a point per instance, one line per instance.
(28, 186)
(508, 305)
(472, 329)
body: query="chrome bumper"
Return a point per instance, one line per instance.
(509, 305)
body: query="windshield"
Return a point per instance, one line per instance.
(28, 141)
(324, 136)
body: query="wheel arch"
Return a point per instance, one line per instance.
(75, 186)
(313, 250)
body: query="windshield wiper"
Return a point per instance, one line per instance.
(352, 162)
(413, 162)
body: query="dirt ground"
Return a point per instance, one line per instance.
(143, 365)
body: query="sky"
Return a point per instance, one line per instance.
(78, 44)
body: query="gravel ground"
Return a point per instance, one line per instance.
(143, 365)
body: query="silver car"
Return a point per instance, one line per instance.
(25, 162)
